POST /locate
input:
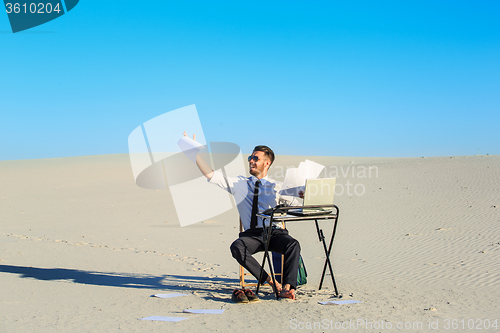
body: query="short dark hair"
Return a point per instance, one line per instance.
(267, 151)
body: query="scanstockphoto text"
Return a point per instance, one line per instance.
(436, 324)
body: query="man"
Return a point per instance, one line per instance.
(265, 191)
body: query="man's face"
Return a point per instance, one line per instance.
(259, 168)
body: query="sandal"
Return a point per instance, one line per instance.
(239, 296)
(251, 296)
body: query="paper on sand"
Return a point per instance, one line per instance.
(349, 301)
(169, 295)
(160, 318)
(209, 311)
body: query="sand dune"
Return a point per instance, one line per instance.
(83, 248)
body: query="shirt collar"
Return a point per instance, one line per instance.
(263, 181)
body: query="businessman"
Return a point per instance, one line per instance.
(253, 195)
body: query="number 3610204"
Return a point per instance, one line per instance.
(33, 8)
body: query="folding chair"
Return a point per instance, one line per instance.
(244, 284)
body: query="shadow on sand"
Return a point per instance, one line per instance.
(125, 280)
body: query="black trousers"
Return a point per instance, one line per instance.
(251, 241)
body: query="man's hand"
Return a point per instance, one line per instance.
(194, 135)
(301, 193)
(202, 165)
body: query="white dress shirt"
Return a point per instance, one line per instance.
(242, 188)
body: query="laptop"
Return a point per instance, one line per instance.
(318, 192)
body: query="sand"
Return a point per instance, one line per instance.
(83, 249)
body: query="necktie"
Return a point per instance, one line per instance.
(255, 206)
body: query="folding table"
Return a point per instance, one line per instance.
(274, 217)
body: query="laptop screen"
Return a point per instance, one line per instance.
(319, 192)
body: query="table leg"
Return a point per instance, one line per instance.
(327, 253)
(267, 240)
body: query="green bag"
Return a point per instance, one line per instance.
(302, 275)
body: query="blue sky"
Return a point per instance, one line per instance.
(350, 78)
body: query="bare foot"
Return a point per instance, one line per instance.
(278, 285)
(287, 294)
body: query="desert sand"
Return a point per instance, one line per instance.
(83, 248)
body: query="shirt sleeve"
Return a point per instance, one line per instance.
(219, 180)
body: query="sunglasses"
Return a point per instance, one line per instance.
(254, 158)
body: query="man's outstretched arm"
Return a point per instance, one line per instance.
(205, 169)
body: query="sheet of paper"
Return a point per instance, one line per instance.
(313, 168)
(349, 301)
(293, 183)
(189, 147)
(160, 318)
(292, 191)
(169, 295)
(204, 311)
(295, 178)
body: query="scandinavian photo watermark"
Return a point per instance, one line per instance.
(354, 175)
